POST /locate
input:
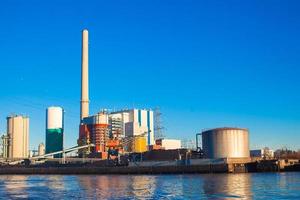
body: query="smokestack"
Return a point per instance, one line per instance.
(84, 103)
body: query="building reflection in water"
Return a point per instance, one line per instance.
(55, 183)
(15, 186)
(142, 186)
(116, 186)
(224, 186)
(170, 186)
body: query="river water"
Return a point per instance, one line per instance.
(194, 186)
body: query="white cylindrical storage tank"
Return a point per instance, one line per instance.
(54, 130)
(18, 136)
(226, 143)
(54, 118)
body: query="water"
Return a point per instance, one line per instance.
(206, 186)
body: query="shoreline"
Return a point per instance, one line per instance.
(124, 170)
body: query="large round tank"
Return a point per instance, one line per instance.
(54, 130)
(225, 143)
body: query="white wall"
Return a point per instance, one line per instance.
(171, 144)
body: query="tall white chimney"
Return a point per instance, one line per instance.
(84, 103)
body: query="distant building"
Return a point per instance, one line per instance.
(31, 153)
(41, 149)
(168, 144)
(54, 130)
(17, 139)
(262, 153)
(5, 146)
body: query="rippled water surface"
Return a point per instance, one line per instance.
(210, 186)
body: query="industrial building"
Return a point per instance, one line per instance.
(94, 130)
(226, 143)
(117, 121)
(168, 144)
(16, 141)
(103, 129)
(110, 132)
(135, 122)
(54, 129)
(262, 153)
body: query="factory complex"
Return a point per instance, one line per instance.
(101, 135)
(126, 138)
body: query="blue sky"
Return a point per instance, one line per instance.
(206, 64)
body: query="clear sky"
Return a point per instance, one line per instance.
(206, 64)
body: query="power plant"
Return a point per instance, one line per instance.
(92, 129)
(107, 131)
(108, 134)
(123, 138)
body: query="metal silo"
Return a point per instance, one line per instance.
(54, 129)
(17, 139)
(41, 149)
(225, 143)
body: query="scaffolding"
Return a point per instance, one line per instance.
(158, 127)
(116, 127)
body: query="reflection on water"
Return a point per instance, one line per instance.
(142, 186)
(14, 186)
(55, 182)
(229, 186)
(102, 186)
(116, 186)
(209, 186)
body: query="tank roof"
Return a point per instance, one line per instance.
(224, 128)
(16, 115)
